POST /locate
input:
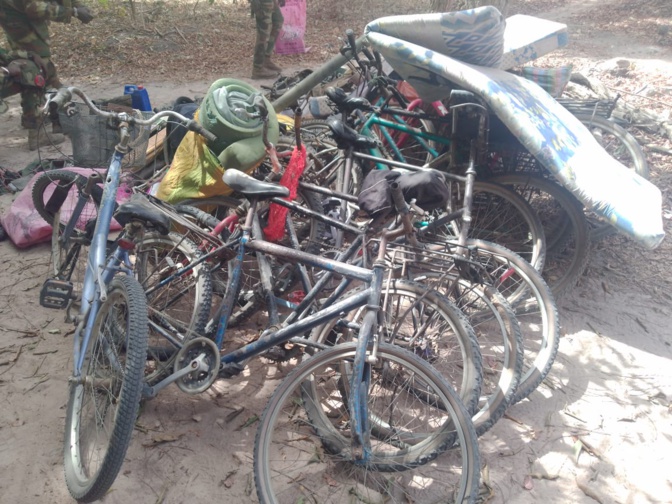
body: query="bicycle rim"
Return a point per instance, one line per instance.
(534, 306)
(302, 449)
(428, 325)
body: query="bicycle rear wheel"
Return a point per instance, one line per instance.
(54, 197)
(499, 338)
(104, 401)
(531, 300)
(427, 324)
(180, 307)
(303, 443)
(565, 226)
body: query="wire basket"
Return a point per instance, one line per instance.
(94, 137)
(600, 108)
(438, 259)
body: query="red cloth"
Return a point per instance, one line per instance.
(275, 229)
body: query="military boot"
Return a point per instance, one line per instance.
(263, 73)
(268, 63)
(39, 137)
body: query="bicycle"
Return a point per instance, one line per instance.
(498, 214)
(522, 286)
(110, 339)
(197, 363)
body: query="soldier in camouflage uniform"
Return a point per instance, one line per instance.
(26, 27)
(269, 22)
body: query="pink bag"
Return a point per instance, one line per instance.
(290, 39)
(25, 227)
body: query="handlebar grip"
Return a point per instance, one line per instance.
(352, 43)
(367, 53)
(194, 126)
(62, 96)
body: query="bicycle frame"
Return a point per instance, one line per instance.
(400, 125)
(297, 324)
(99, 272)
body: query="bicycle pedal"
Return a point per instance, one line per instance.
(230, 370)
(56, 293)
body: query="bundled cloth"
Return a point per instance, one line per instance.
(197, 167)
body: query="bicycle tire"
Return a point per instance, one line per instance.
(568, 258)
(622, 146)
(500, 341)
(618, 142)
(182, 306)
(87, 484)
(297, 441)
(532, 302)
(44, 187)
(455, 355)
(499, 215)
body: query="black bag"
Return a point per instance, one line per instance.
(375, 198)
(427, 187)
(175, 132)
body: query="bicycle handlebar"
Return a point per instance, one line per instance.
(64, 95)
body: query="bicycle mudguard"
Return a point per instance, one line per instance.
(547, 130)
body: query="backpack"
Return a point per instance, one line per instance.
(175, 132)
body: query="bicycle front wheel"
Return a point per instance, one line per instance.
(303, 444)
(428, 324)
(104, 400)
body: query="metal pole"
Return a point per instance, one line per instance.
(292, 96)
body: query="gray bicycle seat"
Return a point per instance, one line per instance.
(249, 186)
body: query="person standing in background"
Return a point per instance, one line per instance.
(269, 23)
(26, 26)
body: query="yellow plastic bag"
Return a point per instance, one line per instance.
(196, 172)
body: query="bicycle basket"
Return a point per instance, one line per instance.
(601, 108)
(93, 138)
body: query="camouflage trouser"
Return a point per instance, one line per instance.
(269, 22)
(32, 97)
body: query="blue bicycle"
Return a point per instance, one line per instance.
(110, 339)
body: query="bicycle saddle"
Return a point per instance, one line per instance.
(139, 209)
(249, 186)
(347, 137)
(347, 103)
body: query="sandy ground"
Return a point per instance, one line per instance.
(598, 430)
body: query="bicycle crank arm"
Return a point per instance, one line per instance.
(197, 364)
